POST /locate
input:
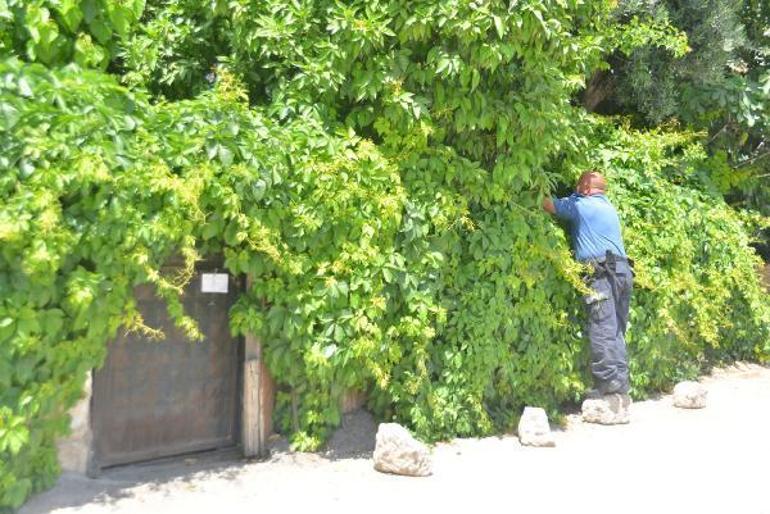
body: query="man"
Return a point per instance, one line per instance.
(597, 241)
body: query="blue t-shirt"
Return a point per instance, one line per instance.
(594, 224)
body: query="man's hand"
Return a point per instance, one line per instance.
(548, 205)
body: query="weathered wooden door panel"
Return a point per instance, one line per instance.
(160, 398)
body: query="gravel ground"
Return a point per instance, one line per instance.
(667, 460)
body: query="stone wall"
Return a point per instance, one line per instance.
(75, 450)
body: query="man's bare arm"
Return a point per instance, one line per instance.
(548, 206)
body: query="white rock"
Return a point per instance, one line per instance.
(396, 451)
(690, 395)
(611, 409)
(534, 429)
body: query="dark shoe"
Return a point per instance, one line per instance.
(616, 386)
(593, 394)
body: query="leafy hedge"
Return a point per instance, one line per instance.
(698, 299)
(377, 169)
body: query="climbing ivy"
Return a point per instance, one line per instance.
(57, 32)
(376, 169)
(97, 199)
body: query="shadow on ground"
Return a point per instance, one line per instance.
(354, 439)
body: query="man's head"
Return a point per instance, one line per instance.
(590, 183)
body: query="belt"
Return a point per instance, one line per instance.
(606, 265)
(609, 257)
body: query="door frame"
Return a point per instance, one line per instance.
(259, 409)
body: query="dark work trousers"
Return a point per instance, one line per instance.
(607, 307)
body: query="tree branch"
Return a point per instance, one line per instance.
(752, 160)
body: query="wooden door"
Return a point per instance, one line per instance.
(161, 398)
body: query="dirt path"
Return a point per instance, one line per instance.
(667, 460)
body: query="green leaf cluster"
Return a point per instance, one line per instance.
(376, 169)
(57, 32)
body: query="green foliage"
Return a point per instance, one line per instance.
(56, 32)
(721, 87)
(658, 84)
(740, 134)
(175, 52)
(376, 168)
(85, 216)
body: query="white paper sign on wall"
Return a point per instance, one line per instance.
(214, 282)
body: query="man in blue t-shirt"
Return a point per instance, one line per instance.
(597, 241)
